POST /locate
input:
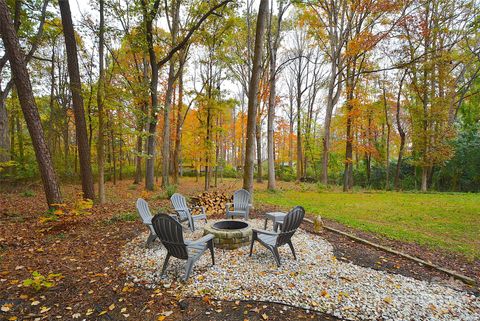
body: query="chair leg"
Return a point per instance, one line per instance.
(291, 248)
(276, 255)
(251, 246)
(165, 263)
(188, 269)
(150, 240)
(210, 246)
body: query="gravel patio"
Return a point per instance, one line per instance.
(316, 281)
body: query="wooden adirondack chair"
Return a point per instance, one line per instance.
(241, 204)
(273, 240)
(171, 235)
(184, 212)
(146, 216)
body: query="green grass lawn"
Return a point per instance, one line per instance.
(446, 221)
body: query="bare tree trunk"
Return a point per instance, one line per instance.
(28, 105)
(4, 131)
(273, 43)
(258, 136)
(252, 96)
(387, 156)
(100, 97)
(148, 17)
(424, 185)
(77, 101)
(401, 132)
(299, 132)
(178, 130)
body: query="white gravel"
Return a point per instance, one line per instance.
(316, 281)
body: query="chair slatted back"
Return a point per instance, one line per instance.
(241, 200)
(180, 205)
(170, 233)
(291, 222)
(144, 211)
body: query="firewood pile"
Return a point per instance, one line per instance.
(213, 202)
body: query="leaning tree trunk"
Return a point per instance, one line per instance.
(28, 105)
(252, 97)
(77, 101)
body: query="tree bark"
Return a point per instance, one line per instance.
(252, 97)
(401, 132)
(387, 156)
(28, 105)
(258, 136)
(148, 17)
(273, 43)
(100, 97)
(77, 101)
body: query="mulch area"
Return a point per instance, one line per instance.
(85, 249)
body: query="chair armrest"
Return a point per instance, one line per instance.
(264, 232)
(203, 239)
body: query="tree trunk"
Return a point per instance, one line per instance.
(100, 95)
(424, 178)
(178, 130)
(28, 105)
(4, 131)
(152, 124)
(273, 43)
(77, 101)
(258, 136)
(252, 97)
(399, 161)
(387, 156)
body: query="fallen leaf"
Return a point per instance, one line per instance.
(12, 318)
(264, 316)
(6, 307)
(35, 302)
(388, 300)
(167, 313)
(76, 315)
(161, 318)
(111, 307)
(44, 309)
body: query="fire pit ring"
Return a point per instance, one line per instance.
(229, 234)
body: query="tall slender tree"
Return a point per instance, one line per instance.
(77, 100)
(100, 99)
(252, 96)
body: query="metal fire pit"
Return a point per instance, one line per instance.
(229, 234)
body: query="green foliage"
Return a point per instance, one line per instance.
(39, 282)
(170, 190)
(123, 217)
(285, 173)
(28, 193)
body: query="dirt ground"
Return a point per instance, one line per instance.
(85, 249)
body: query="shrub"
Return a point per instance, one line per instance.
(38, 281)
(170, 190)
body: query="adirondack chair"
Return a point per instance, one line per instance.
(170, 233)
(184, 212)
(241, 204)
(273, 240)
(146, 216)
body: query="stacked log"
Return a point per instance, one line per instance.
(213, 202)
